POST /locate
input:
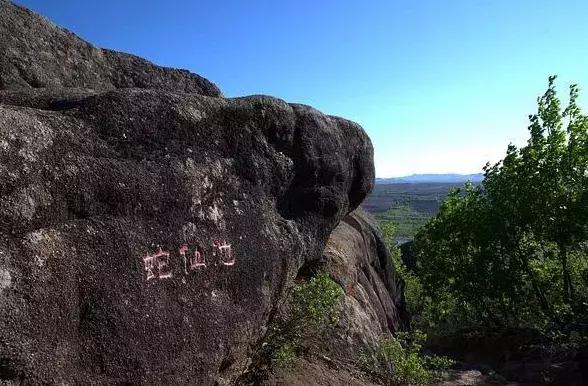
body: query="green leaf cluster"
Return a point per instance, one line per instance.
(512, 251)
(399, 360)
(312, 309)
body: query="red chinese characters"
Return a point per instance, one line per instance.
(157, 266)
(225, 253)
(192, 261)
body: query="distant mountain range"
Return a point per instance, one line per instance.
(432, 178)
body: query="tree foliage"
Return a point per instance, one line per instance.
(512, 251)
(400, 360)
(312, 307)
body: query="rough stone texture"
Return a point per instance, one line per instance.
(372, 309)
(107, 163)
(513, 357)
(473, 378)
(318, 373)
(34, 53)
(359, 261)
(87, 192)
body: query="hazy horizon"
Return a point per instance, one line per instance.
(439, 87)
(433, 174)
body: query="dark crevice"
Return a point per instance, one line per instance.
(8, 371)
(310, 269)
(226, 363)
(40, 102)
(33, 83)
(296, 201)
(356, 186)
(66, 104)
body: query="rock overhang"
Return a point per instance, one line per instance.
(146, 232)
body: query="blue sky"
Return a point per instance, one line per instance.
(440, 86)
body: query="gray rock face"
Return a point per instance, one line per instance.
(34, 53)
(372, 308)
(374, 305)
(146, 234)
(141, 222)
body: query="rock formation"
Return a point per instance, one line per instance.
(34, 53)
(373, 304)
(149, 226)
(358, 260)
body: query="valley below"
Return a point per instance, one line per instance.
(408, 205)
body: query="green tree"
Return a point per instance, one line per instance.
(490, 249)
(545, 182)
(311, 310)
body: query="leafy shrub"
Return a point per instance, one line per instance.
(314, 302)
(311, 310)
(399, 361)
(285, 356)
(422, 310)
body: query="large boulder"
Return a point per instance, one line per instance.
(148, 226)
(373, 306)
(34, 53)
(371, 310)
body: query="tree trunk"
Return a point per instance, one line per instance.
(543, 303)
(567, 280)
(537, 290)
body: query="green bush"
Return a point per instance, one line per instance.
(399, 361)
(285, 356)
(315, 301)
(419, 305)
(311, 310)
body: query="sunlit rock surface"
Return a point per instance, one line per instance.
(149, 227)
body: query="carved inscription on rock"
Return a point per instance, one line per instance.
(157, 266)
(193, 257)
